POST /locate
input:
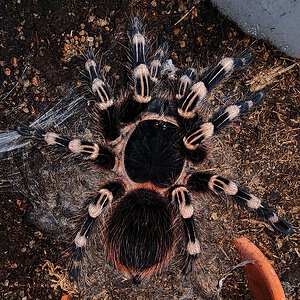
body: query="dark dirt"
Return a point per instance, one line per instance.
(260, 151)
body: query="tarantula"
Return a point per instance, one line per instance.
(151, 144)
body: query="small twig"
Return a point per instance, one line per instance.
(267, 77)
(184, 16)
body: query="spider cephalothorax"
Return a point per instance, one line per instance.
(151, 142)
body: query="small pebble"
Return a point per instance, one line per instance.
(24, 249)
(26, 84)
(6, 282)
(82, 26)
(7, 71)
(31, 244)
(153, 3)
(182, 7)
(103, 22)
(91, 19)
(90, 39)
(106, 68)
(176, 31)
(14, 62)
(214, 216)
(13, 266)
(200, 40)
(256, 180)
(35, 80)
(182, 44)
(174, 55)
(38, 234)
(82, 32)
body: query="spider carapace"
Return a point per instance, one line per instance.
(151, 143)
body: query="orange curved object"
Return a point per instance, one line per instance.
(262, 278)
(65, 297)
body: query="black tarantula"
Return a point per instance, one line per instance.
(151, 144)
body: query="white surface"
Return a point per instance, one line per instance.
(275, 20)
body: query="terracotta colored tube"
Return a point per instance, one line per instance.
(262, 279)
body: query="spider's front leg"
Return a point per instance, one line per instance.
(182, 200)
(185, 82)
(95, 209)
(200, 133)
(157, 61)
(206, 182)
(105, 111)
(143, 77)
(190, 98)
(99, 154)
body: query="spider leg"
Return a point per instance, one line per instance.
(204, 131)
(185, 82)
(104, 109)
(181, 198)
(99, 154)
(95, 209)
(142, 82)
(156, 63)
(206, 182)
(188, 103)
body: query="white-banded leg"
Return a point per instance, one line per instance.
(94, 210)
(99, 154)
(141, 74)
(204, 131)
(206, 182)
(188, 104)
(225, 67)
(104, 110)
(181, 198)
(185, 82)
(142, 82)
(156, 63)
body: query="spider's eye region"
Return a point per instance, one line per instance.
(152, 153)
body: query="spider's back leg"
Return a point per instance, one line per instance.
(200, 133)
(96, 207)
(206, 182)
(182, 200)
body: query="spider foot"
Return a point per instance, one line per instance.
(74, 270)
(243, 61)
(278, 223)
(29, 132)
(189, 264)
